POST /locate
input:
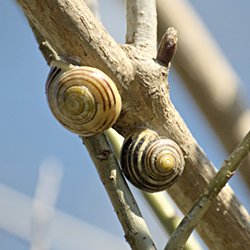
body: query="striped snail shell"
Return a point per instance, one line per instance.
(83, 99)
(150, 162)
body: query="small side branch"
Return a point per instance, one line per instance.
(167, 47)
(129, 215)
(141, 25)
(46, 49)
(190, 221)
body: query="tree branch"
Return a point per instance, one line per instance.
(72, 30)
(168, 217)
(179, 238)
(135, 228)
(141, 26)
(207, 75)
(157, 201)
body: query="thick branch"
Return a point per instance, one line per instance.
(207, 75)
(135, 228)
(73, 31)
(141, 26)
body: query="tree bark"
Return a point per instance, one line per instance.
(136, 231)
(73, 31)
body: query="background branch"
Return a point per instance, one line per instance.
(142, 83)
(207, 74)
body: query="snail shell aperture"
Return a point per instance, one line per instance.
(83, 99)
(150, 162)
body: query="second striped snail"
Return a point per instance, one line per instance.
(83, 99)
(150, 162)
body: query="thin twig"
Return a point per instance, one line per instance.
(190, 221)
(141, 25)
(46, 49)
(128, 213)
(157, 201)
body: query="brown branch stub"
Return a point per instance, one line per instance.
(167, 47)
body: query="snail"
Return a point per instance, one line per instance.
(150, 162)
(83, 99)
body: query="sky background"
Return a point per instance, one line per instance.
(30, 135)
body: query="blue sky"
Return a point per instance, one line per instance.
(30, 135)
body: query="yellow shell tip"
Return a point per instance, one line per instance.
(167, 162)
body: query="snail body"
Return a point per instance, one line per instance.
(83, 99)
(150, 162)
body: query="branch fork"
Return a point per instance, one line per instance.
(146, 103)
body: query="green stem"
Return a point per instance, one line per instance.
(180, 236)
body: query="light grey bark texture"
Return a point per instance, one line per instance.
(73, 31)
(141, 26)
(134, 226)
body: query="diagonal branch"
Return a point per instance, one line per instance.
(135, 228)
(179, 238)
(207, 75)
(72, 30)
(141, 26)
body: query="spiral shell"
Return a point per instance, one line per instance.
(150, 162)
(83, 99)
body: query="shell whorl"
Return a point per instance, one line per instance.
(150, 162)
(83, 99)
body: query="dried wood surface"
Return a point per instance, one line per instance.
(73, 31)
